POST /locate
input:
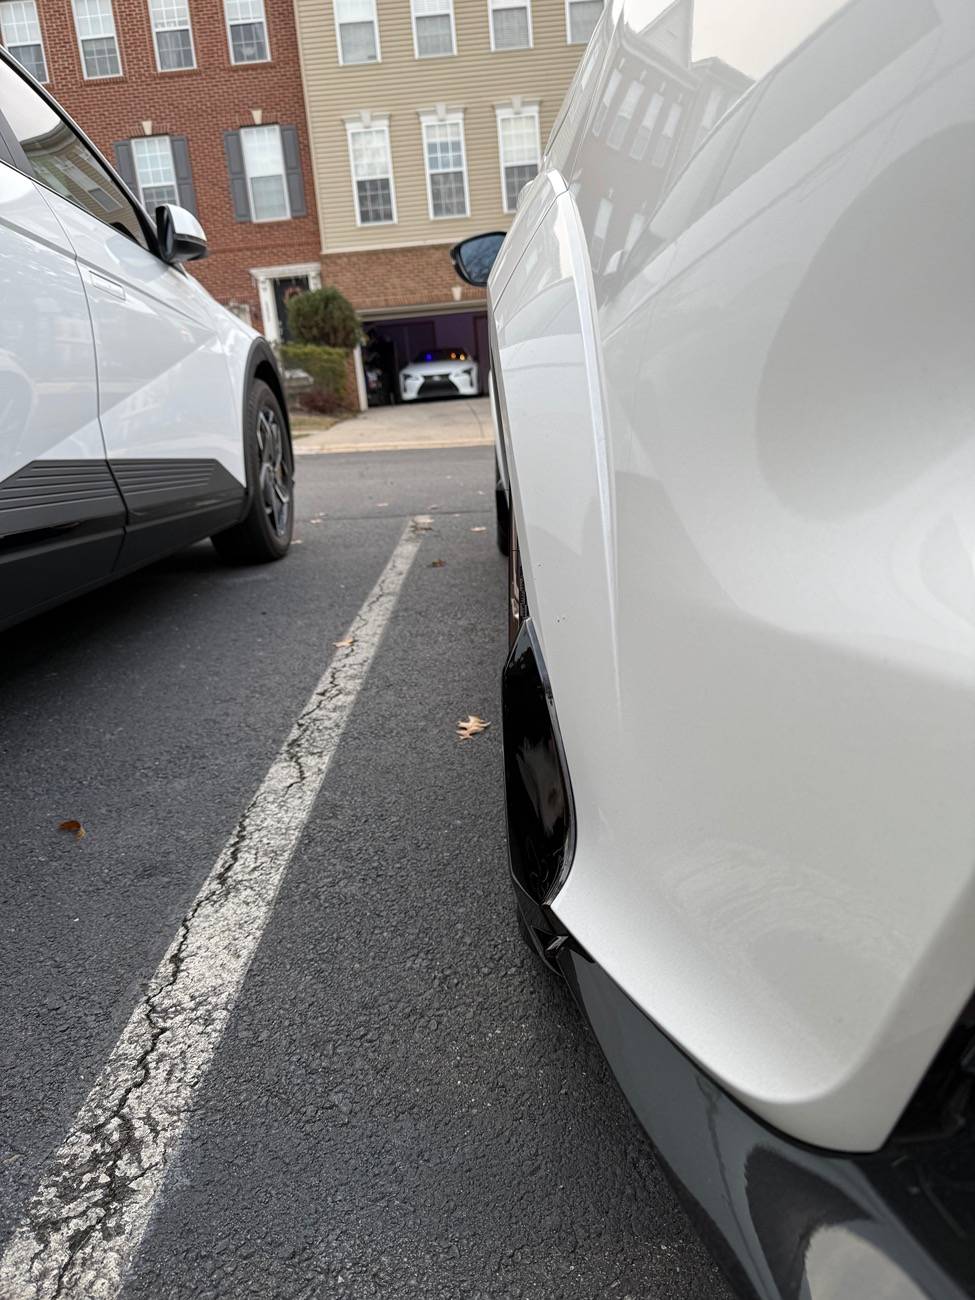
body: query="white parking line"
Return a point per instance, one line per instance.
(84, 1224)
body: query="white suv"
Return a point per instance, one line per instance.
(733, 347)
(137, 415)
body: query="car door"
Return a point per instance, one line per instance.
(61, 514)
(170, 420)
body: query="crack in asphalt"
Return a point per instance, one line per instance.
(81, 1230)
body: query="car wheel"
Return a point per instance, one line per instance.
(264, 534)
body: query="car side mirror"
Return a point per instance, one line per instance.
(180, 235)
(474, 257)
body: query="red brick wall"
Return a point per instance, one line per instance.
(396, 277)
(201, 104)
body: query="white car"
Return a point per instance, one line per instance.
(136, 414)
(439, 372)
(733, 337)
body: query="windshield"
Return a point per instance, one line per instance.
(441, 354)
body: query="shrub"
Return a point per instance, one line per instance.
(327, 368)
(324, 317)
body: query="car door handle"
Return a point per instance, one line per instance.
(111, 287)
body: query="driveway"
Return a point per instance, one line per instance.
(437, 424)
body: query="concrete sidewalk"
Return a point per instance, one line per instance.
(444, 422)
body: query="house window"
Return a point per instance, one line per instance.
(21, 32)
(609, 94)
(712, 111)
(581, 17)
(665, 145)
(95, 25)
(154, 170)
(171, 32)
(624, 114)
(372, 174)
(247, 31)
(520, 148)
(358, 31)
(443, 147)
(264, 168)
(433, 28)
(648, 124)
(511, 24)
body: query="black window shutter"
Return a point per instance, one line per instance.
(184, 176)
(292, 171)
(238, 177)
(125, 164)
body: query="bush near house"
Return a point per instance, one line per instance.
(325, 328)
(324, 317)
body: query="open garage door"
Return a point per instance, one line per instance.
(394, 343)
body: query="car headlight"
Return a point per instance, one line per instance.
(468, 372)
(407, 375)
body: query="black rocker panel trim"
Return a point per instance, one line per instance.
(52, 494)
(787, 1221)
(161, 488)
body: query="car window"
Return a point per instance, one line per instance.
(61, 160)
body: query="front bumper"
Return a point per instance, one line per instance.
(785, 1221)
(458, 385)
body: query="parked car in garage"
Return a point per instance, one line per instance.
(733, 356)
(138, 415)
(439, 372)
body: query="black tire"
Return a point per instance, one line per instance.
(264, 533)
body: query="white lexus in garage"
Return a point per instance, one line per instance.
(136, 414)
(439, 372)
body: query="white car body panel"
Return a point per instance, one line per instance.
(48, 397)
(164, 385)
(741, 449)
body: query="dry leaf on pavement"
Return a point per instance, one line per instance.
(438, 564)
(75, 827)
(349, 640)
(471, 726)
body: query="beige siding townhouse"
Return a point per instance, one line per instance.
(426, 118)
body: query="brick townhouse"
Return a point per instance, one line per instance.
(199, 104)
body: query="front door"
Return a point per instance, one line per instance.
(171, 422)
(287, 287)
(61, 515)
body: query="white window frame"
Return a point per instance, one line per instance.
(250, 63)
(568, 24)
(506, 111)
(264, 221)
(450, 119)
(360, 64)
(374, 124)
(189, 27)
(416, 40)
(40, 41)
(510, 4)
(135, 165)
(103, 76)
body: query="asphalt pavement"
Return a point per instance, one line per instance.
(402, 1104)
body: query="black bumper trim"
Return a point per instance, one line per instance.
(785, 1221)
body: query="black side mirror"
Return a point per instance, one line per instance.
(474, 257)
